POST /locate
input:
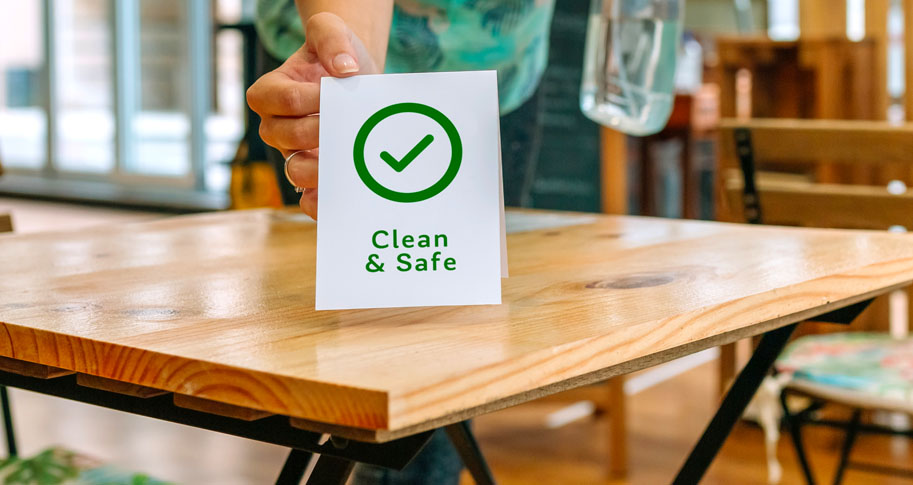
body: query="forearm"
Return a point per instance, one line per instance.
(369, 19)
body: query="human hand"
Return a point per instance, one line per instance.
(288, 98)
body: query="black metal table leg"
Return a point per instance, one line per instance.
(466, 445)
(733, 405)
(295, 465)
(331, 470)
(794, 422)
(851, 432)
(8, 422)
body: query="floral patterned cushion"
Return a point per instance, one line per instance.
(872, 363)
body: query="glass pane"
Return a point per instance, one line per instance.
(225, 125)
(783, 19)
(855, 20)
(162, 124)
(233, 11)
(83, 86)
(23, 124)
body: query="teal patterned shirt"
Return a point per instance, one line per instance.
(445, 35)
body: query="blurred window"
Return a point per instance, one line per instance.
(783, 19)
(23, 124)
(138, 94)
(83, 86)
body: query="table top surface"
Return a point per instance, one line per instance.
(221, 306)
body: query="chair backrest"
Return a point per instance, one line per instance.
(796, 149)
(6, 223)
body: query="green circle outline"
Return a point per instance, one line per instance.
(456, 158)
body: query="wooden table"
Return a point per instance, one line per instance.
(209, 320)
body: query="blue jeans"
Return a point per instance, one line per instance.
(437, 464)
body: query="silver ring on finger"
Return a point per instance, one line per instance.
(289, 177)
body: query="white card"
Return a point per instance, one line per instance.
(410, 210)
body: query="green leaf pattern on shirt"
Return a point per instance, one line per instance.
(510, 36)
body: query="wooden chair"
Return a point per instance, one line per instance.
(769, 175)
(785, 155)
(793, 194)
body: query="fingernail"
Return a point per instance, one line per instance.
(345, 64)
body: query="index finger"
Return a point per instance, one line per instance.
(278, 95)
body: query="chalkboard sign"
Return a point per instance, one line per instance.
(567, 174)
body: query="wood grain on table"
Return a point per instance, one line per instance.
(221, 307)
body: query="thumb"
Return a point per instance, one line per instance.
(330, 38)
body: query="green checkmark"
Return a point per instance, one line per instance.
(361, 167)
(400, 165)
